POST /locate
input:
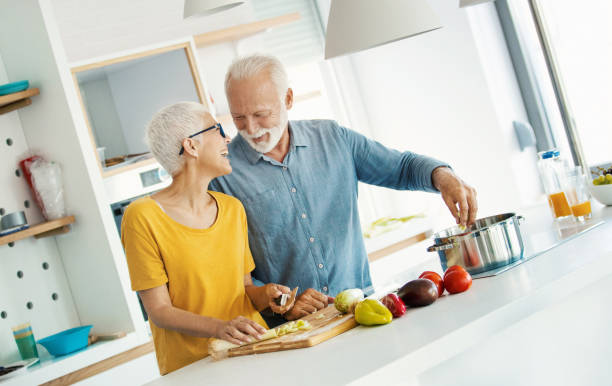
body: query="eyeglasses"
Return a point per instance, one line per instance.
(216, 126)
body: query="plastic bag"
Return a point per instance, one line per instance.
(49, 189)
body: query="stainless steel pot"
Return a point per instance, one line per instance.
(489, 243)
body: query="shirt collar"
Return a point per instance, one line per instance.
(297, 139)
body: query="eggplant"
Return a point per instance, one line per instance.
(418, 293)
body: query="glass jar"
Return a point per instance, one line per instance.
(553, 172)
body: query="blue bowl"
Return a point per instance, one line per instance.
(10, 88)
(66, 341)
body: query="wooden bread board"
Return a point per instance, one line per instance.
(326, 324)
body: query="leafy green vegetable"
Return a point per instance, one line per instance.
(386, 224)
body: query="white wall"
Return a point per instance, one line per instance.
(431, 94)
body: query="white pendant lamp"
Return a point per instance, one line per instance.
(356, 25)
(207, 7)
(467, 3)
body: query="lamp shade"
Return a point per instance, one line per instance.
(207, 7)
(356, 25)
(467, 3)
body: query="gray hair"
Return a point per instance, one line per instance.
(249, 66)
(167, 130)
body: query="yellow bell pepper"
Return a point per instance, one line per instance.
(370, 312)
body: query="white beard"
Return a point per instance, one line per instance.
(275, 134)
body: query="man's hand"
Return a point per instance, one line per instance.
(308, 302)
(456, 192)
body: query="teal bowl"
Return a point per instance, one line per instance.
(66, 341)
(10, 88)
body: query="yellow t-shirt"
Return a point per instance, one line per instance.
(203, 268)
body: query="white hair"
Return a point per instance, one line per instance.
(252, 65)
(167, 130)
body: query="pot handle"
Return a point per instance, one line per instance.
(443, 247)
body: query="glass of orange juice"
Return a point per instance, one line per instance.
(578, 196)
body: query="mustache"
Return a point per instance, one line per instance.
(258, 134)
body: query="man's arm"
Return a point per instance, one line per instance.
(379, 165)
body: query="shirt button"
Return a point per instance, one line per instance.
(293, 190)
(320, 265)
(303, 215)
(311, 239)
(324, 289)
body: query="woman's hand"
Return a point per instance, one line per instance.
(273, 291)
(239, 330)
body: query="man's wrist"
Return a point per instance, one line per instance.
(435, 175)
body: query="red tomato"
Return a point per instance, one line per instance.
(436, 278)
(428, 272)
(457, 281)
(452, 269)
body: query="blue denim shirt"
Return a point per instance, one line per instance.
(303, 219)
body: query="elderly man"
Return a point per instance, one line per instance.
(298, 183)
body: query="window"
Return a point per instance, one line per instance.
(295, 43)
(580, 52)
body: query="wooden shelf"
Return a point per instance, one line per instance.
(17, 100)
(243, 30)
(45, 229)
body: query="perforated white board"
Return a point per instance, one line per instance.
(37, 285)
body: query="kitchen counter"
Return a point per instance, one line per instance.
(545, 321)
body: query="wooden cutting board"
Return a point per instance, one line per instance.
(326, 324)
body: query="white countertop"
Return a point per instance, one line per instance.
(542, 321)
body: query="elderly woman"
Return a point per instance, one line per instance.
(187, 248)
